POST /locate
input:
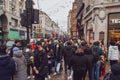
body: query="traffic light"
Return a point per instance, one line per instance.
(23, 21)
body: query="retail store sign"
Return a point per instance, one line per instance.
(115, 20)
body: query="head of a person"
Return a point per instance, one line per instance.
(47, 48)
(3, 50)
(88, 51)
(17, 42)
(69, 43)
(79, 51)
(39, 44)
(96, 43)
(112, 43)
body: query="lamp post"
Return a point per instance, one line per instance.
(29, 17)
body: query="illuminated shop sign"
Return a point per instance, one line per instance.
(115, 20)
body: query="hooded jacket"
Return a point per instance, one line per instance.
(113, 53)
(7, 67)
(115, 72)
(20, 61)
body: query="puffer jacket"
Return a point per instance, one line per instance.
(7, 67)
(113, 53)
(20, 61)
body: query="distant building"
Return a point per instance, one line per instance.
(46, 27)
(69, 24)
(73, 20)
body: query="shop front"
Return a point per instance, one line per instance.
(13, 34)
(114, 27)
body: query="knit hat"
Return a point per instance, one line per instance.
(15, 49)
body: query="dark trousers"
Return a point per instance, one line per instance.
(29, 66)
(113, 62)
(78, 75)
(49, 68)
(37, 77)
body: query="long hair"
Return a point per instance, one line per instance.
(79, 51)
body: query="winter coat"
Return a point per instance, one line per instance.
(67, 53)
(115, 72)
(57, 52)
(28, 54)
(113, 53)
(7, 67)
(100, 51)
(79, 62)
(20, 61)
(50, 56)
(41, 62)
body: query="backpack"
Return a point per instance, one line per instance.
(107, 76)
(95, 54)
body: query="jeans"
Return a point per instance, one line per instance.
(49, 68)
(56, 63)
(96, 71)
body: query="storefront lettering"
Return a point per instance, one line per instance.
(115, 20)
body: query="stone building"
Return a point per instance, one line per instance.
(10, 19)
(69, 24)
(101, 20)
(46, 27)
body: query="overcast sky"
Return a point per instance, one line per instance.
(57, 9)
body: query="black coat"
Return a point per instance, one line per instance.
(67, 53)
(79, 62)
(41, 62)
(115, 72)
(7, 68)
(79, 65)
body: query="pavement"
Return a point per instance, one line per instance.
(63, 76)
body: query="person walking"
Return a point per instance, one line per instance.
(28, 55)
(50, 56)
(97, 52)
(7, 64)
(90, 57)
(21, 65)
(113, 53)
(79, 63)
(40, 62)
(17, 44)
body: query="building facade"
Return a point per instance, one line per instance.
(46, 27)
(73, 20)
(10, 19)
(101, 20)
(69, 24)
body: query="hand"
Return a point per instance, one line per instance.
(36, 71)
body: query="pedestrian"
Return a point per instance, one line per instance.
(50, 56)
(21, 65)
(113, 53)
(28, 55)
(68, 51)
(79, 63)
(40, 62)
(7, 64)
(17, 44)
(90, 57)
(57, 57)
(97, 52)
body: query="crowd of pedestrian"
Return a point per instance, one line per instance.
(46, 57)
